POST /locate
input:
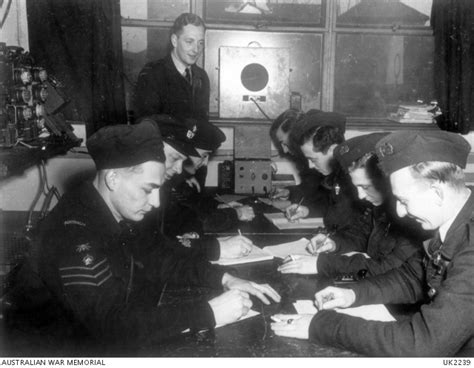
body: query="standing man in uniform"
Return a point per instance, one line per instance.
(175, 85)
(109, 272)
(427, 178)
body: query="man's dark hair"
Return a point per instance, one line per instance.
(185, 19)
(323, 137)
(286, 121)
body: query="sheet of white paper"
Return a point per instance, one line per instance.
(250, 314)
(284, 249)
(373, 312)
(256, 255)
(282, 223)
(305, 307)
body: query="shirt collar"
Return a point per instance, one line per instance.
(92, 199)
(178, 64)
(443, 229)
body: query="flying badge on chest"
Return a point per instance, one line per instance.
(88, 260)
(83, 247)
(191, 132)
(337, 189)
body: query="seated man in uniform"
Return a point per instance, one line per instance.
(184, 219)
(308, 179)
(390, 242)
(189, 187)
(110, 275)
(427, 178)
(345, 217)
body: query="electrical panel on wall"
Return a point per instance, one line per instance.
(253, 177)
(252, 79)
(29, 102)
(23, 92)
(252, 159)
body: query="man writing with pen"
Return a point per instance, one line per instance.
(427, 179)
(107, 272)
(190, 218)
(315, 137)
(390, 242)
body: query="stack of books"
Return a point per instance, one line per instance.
(414, 114)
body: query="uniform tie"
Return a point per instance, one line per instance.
(187, 75)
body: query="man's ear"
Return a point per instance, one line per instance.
(111, 179)
(174, 40)
(331, 149)
(439, 192)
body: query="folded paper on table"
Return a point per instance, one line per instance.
(251, 313)
(282, 223)
(256, 255)
(372, 312)
(285, 249)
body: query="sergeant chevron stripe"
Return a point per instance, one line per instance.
(80, 275)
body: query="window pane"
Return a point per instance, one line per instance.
(166, 10)
(374, 74)
(373, 13)
(277, 12)
(305, 61)
(137, 51)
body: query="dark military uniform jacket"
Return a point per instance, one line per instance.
(183, 210)
(111, 276)
(346, 218)
(443, 326)
(388, 247)
(161, 89)
(309, 187)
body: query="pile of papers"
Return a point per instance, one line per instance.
(414, 114)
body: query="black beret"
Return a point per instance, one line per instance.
(178, 134)
(208, 137)
(353, 149)
(407, 148)
(118, 146)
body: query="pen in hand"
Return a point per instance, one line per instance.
(288, 258)
(324, 300)
(293, 212)
(319, 244)
(246, 251)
